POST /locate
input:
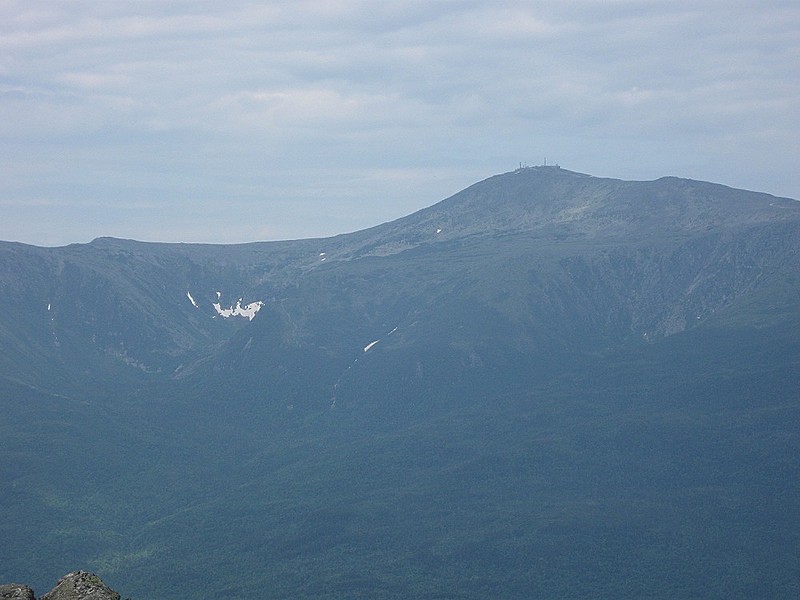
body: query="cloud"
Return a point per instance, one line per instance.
(193, 102)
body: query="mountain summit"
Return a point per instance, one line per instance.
(542, 199)
(543, 373)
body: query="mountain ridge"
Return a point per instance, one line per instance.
(543, 373)
(557, 215)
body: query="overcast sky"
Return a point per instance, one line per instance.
(192, 120)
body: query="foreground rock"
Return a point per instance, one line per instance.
(15, 590)
(78, 585)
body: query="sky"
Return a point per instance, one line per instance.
(236, 121)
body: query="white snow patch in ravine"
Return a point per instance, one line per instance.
(189, 296)
(248, 310)
(371, 344)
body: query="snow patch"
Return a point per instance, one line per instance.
(248, 310)
(371, 344)
(188, 295)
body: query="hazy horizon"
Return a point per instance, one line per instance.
(198, 122)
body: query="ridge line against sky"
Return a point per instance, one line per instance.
(241, 121)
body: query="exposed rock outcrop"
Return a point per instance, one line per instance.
(78, 585)
(16, 591)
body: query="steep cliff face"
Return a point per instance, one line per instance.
(78, 585)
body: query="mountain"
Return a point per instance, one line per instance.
(547, 385)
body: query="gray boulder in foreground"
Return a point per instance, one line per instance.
(16, 591)
(78, 585)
